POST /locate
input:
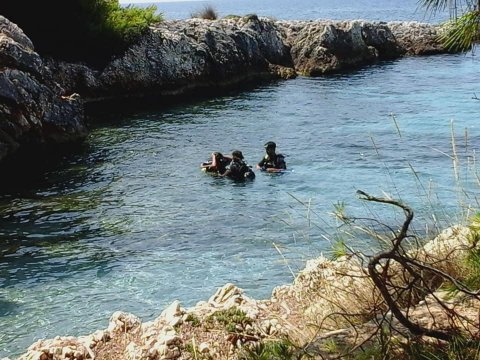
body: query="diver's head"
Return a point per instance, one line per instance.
(270, 147)
(237, 154)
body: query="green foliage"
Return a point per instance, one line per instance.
(472, 261)
(435, 5)
(90, 31)
(207, 13)
(371, 352)
(458, 348)
(459, 33)
(339, 249)
(130, 22)
(475, 225)
(193, 320)
(339, 212)
(330, 346)
(229, 318)
(472, 280)
(272, 350)
(190, 348)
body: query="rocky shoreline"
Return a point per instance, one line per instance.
(310, 312)
(42, 101)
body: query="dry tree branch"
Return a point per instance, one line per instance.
(379, 277)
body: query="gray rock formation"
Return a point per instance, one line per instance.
(180, 57)
(33, 109)
(177, 57)
(319, 47)
(417, 38)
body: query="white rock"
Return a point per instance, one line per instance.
(133, 352)
(123, 322)
(172, 313)
(162, 349)
(169, 339)
(67, 352)
(204, 348)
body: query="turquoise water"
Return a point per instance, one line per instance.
(128, 222)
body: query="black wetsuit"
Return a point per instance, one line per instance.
(276, 162)
(239, 171)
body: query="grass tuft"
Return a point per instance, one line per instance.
(207, 13)
(280, 350)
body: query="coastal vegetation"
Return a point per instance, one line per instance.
(90, 31)
(462, 31)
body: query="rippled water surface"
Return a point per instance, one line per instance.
(378, 10)
(129, 222)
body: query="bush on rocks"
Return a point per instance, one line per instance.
(80, 30)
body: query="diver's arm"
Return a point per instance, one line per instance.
(261, 164)
(210, 164)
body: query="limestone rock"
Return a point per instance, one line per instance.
(135, 352)
(33, 110)
(123, 322)
(417, 38)
(203, 348)
(172, 315)
(319, 47)
(179, 56)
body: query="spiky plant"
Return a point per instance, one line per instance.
(460, 33)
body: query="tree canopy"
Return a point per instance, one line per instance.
(91, 31)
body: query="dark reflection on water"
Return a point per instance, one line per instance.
(128, 222)
(7, 308)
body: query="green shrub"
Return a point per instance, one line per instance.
(193, 320)
(90, 31)
(271, 350)
(229, 318)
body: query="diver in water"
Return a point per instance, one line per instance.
(238, 169)
(218, 164)
(272, 162)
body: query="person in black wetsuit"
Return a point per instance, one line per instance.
(272, 162)
(238, 169)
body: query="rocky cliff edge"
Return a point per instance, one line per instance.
(34, 109)
(42, 100)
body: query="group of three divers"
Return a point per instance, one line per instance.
(234, 167)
